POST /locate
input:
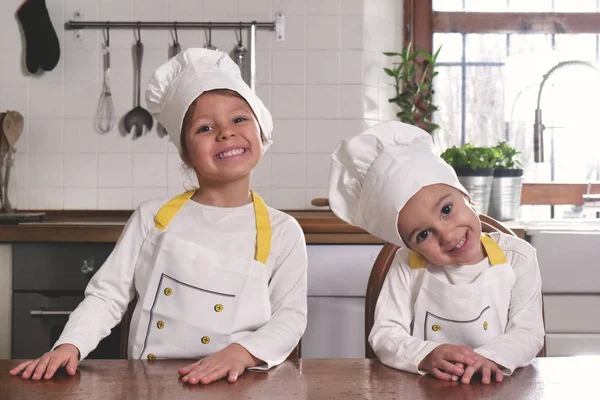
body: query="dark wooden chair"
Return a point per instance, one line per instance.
(380, 270)
(126, 322)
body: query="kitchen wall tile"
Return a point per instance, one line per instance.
(46, 100)
(141, 195)
(150, 170)
(255, 7)
(373, 66)
(80, 136)
(353, 7)
(288, 199)
(46, 135)
(352, 101)
(261, 176)
(15, 96)
(115, 171)
(20, 171)
(12, 67)
(46, 170)
(289, 67)
(263, 66)
(372, 33)
(317, 170)
(265, 94)
(323, 67)
(295, 34)
(22, 202)
(264, 193)
(290, 7)
(387, 110)
(322, 101)
(323, 32)
(116, 10)
(81, 101)
(351, 32)
(352, 127)
(289, 136)
(175, 170)
(322, 135)
(151, 142)
(115, 141)
(11, 28)
(371, 102)
(372, 8)
(219, 10)
(351, 67)
(288, 101)
(81, 170)
(149, 10)
(89, 9)
(22, 145)
(323, 7)
(80, 199)
(81, 66)
(185, 10)
(45, 198)
(115, 198)
(264, 41)
(288, 170)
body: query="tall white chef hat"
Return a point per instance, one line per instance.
(375, 173)
(178, 82)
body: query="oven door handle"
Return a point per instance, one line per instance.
(43, 313)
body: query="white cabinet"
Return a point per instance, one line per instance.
(337, 283)
(570, 267)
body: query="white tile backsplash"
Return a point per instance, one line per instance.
(322, 83)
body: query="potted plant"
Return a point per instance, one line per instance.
(505, 199)
(413, 78)
(475, 169)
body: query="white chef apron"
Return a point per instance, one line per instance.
(192, 300)
(470, 314)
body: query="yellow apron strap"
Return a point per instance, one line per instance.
(166, 213)
(493, 250)
(263, 229)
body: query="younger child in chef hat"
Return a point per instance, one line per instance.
(218, 275)
(455, 302)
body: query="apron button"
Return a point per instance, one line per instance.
(168, 291)
(205, 340)
(436, 328)
(219, 307)
(485, 325)
(160, 324)
(151, 357)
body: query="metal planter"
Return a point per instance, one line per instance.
(478, 183)
(505, 200)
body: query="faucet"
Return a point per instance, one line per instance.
(538, 126)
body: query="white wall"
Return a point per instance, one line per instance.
(324, 82)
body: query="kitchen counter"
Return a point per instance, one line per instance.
(106, 226)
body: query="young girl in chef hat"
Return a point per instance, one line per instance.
(217, 274)
(455, 301)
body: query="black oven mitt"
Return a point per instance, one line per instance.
(41, 42)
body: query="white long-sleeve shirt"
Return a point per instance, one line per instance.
(523, 335)
(228, 230)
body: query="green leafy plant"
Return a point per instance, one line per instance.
(508, 157)
(472, 157)
(413, 81)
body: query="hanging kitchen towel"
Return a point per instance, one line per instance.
(41, 42)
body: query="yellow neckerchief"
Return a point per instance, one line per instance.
(261, 215)
(493, 250)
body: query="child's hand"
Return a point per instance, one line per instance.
(232, 361)
(485, 367)
(447, 361)
(65, 355)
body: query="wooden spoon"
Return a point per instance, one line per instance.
(12, 127)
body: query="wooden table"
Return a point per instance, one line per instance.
(547, 378)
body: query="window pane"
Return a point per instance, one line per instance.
(448, 95)
(530, 5)
(582, 46)
(447, 5)
(485, 48)
(486, 5)
(451, 44)
(484, 122)
(576, 5)
(519, 45)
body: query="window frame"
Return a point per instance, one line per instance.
(421, 22)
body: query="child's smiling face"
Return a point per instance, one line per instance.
(439, 223)
(221, 138)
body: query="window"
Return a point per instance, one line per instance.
(493, 58)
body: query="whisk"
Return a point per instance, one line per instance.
(105, 112)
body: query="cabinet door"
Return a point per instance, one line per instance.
(56, 266)
(571, 344)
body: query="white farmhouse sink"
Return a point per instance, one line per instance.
(577, 225)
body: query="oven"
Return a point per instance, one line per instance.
(48, 283)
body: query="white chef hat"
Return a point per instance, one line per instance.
(178, 82)
(375, 173)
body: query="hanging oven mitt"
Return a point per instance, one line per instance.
(41, 42)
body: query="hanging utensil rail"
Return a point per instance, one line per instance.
(277, 26)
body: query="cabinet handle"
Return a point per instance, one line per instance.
(87, 268)
(41, 313)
